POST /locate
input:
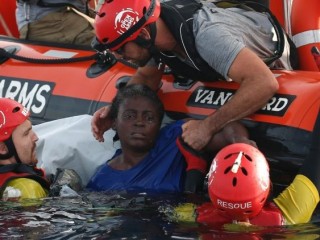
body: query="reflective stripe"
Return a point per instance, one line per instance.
(307, 37)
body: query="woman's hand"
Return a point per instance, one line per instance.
(100, 123)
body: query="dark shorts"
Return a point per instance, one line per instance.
(63, 26)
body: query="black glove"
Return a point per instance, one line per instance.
(194, 181)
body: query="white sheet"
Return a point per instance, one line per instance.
(69, 143)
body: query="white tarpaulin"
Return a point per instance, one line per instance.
(69, 143)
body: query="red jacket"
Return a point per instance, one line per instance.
(18, 170)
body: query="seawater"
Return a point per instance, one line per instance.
(121, 215)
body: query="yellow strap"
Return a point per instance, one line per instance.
(298, 201)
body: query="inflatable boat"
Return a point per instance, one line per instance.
(57, 81)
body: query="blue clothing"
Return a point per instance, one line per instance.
(162, 170)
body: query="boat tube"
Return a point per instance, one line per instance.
(58, 81)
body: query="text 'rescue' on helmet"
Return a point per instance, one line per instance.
(12, 114)
(120, 21)
(239, 181)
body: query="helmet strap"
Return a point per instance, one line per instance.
(153, 33)
(12, 152)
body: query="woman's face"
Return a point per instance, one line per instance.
(137, 124)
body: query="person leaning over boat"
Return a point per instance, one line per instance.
(149, 158)
(18, 172)
(239, 186)
(200, 41)
(59, 21)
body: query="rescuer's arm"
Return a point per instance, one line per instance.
(257, 86)
(149, 75)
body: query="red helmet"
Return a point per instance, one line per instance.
(239, 181)
(120, 21)
(12, 114)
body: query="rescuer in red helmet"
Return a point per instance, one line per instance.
(201, 41)
(239, 186)
(19, 176)
(239, 182)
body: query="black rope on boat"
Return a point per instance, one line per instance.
(101, 57)
(7, 54)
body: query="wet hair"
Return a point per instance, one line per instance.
(135, 90)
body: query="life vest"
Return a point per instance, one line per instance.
(270, 215)
(13, 171)
(180, 23)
